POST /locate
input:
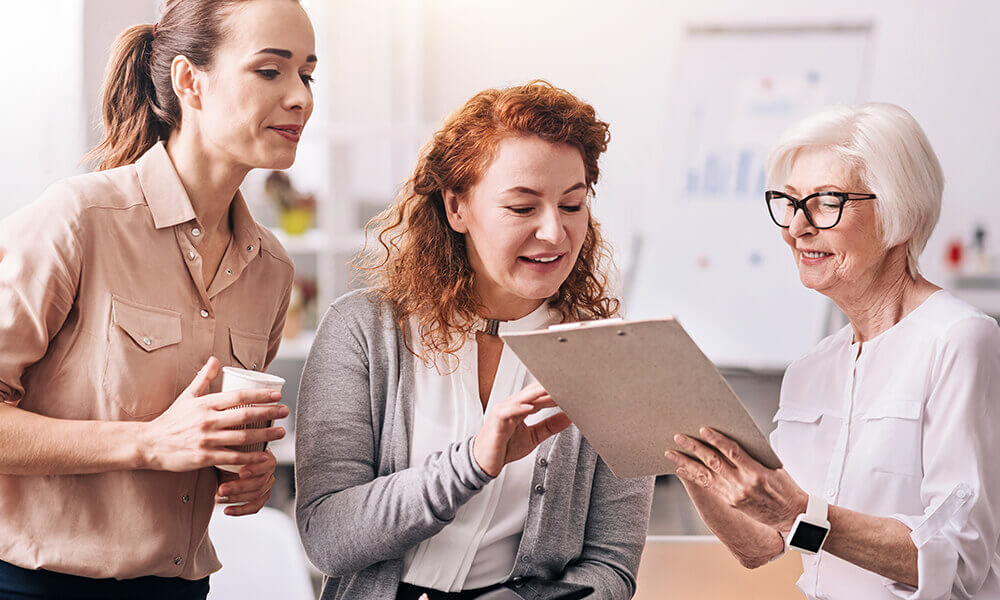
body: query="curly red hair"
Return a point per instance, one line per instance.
(421, 267)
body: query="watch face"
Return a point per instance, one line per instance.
(808, 536)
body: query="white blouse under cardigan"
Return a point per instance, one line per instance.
(910, 429)
(479, 546)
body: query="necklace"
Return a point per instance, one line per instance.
(491, 326)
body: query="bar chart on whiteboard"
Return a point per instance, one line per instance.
(727, 156)
(709, 253)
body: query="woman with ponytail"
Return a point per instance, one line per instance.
(122, 294)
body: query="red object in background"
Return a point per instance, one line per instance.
(954, 256)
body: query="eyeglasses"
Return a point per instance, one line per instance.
(822, 209)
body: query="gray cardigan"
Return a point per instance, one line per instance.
(360, 507)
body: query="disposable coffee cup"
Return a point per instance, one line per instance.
(241, 379)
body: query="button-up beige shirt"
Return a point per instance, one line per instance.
(104, 316)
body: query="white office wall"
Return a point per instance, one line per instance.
(936, 59)
(41, 128)
(56, 53)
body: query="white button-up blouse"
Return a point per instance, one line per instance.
(479, 546)
(908, 429)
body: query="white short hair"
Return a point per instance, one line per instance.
(890, 156)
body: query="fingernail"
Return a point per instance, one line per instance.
(223, 499)
(276, 395)
(678, 438)
(703, 431)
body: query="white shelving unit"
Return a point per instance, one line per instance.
(360, 144)
(297, 348)
(326, 257)
(362, 140)
(982, 291)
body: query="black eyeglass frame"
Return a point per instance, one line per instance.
(797, 205)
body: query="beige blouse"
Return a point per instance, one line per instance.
(104, 316)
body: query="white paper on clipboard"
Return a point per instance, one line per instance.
(629, 386)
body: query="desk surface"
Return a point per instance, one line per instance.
(696, 567)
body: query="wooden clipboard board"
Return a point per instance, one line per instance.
(629, 386)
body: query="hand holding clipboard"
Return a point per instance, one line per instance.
(629, 386)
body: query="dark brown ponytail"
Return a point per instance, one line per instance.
(138, 106)
(131, 125)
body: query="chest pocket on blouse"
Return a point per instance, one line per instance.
(794, 413)
(249, 349)
(890, 437)
(141, 373)
(795, 441)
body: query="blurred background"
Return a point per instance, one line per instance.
(695, 92)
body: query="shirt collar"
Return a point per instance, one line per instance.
(246, 231)
(165, 195)
(169, 203)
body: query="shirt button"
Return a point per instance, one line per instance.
(204, 313)
(195, 232)
(539, 489)
(249, 248)
(525, 558)
(185, 498)
(147, 341)
(962, 494)
(191, 255)
(253, 367)
(542, 462)
(830, 492)
(229, 271)
(178, 560)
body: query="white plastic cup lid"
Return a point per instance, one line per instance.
(234, 378)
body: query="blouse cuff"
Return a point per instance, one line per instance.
(937, 557)
(937, 565)
(483, 475)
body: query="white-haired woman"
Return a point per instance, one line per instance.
(891, 484)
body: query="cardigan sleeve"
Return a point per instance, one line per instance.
(350, 517)
(615, 534)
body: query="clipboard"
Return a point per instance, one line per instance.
(629, 386)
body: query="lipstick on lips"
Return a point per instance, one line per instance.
(291, 133)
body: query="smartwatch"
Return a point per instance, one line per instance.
(810, 528)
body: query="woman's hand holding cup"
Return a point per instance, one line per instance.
(196, 430)
(504, 438)
(249, 490)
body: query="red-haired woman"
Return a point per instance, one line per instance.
(427, 461)
(116, 287)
